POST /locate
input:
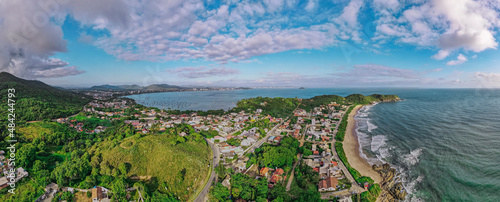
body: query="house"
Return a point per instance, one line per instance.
(96, 194)
(264, 171)
(221, 139)
(328, 184)
(240, 166)
(278, 171)
(277, 139)
(247, 142)
(276, 177)
(271, 139)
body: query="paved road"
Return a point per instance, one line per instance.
(203, 196)
(299, 157)
(261, 141)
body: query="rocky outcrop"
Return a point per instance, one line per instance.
(391, 190)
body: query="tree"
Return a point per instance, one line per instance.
(123, 168)
(180, 139)
(220, 192)
(27, 154)
(119, 187)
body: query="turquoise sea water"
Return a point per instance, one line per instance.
(445, 142)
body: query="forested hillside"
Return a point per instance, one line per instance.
(36, 100)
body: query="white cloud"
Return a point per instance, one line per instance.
(348, 21)
(31, 33)
(442, 54)
(445, 24)
(460, 60)
(311, 4)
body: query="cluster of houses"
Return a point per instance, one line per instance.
(328, 169)
(78, 126)
(6, 175)
(247, 138)
(100, 95)
(99, 194)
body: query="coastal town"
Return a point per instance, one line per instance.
(234, 137)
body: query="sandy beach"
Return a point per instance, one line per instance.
(351, 148)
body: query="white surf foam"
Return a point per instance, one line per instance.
(412, 157)
(377, 142)
(371, 126)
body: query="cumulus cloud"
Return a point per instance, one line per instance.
(58, 72)
(31, 33)
(460, 60)
(348, 20)
(445, 24)
(202, 71)
(442, 54)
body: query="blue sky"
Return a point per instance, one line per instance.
(311, 43)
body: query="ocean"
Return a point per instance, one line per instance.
(444, 142)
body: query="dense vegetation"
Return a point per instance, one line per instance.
(276, 107)
(309, 104)
(370, 195)
(361, 99)
(343, 126)
(248, 188)
(357, 176)
(305, 176)
(272, 156)
(283, 107)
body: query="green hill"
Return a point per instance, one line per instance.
(152, 159)
(361, 99)
(36, 100)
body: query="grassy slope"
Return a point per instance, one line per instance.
(34, 130)
(154, 156)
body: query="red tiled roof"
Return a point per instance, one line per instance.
(278, 171)
(328, 182)
(264, 170)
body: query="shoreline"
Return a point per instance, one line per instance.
(352, 149)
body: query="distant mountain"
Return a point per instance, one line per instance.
(36, 100)
(106, 87)
(154, 87)
(162, 87)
